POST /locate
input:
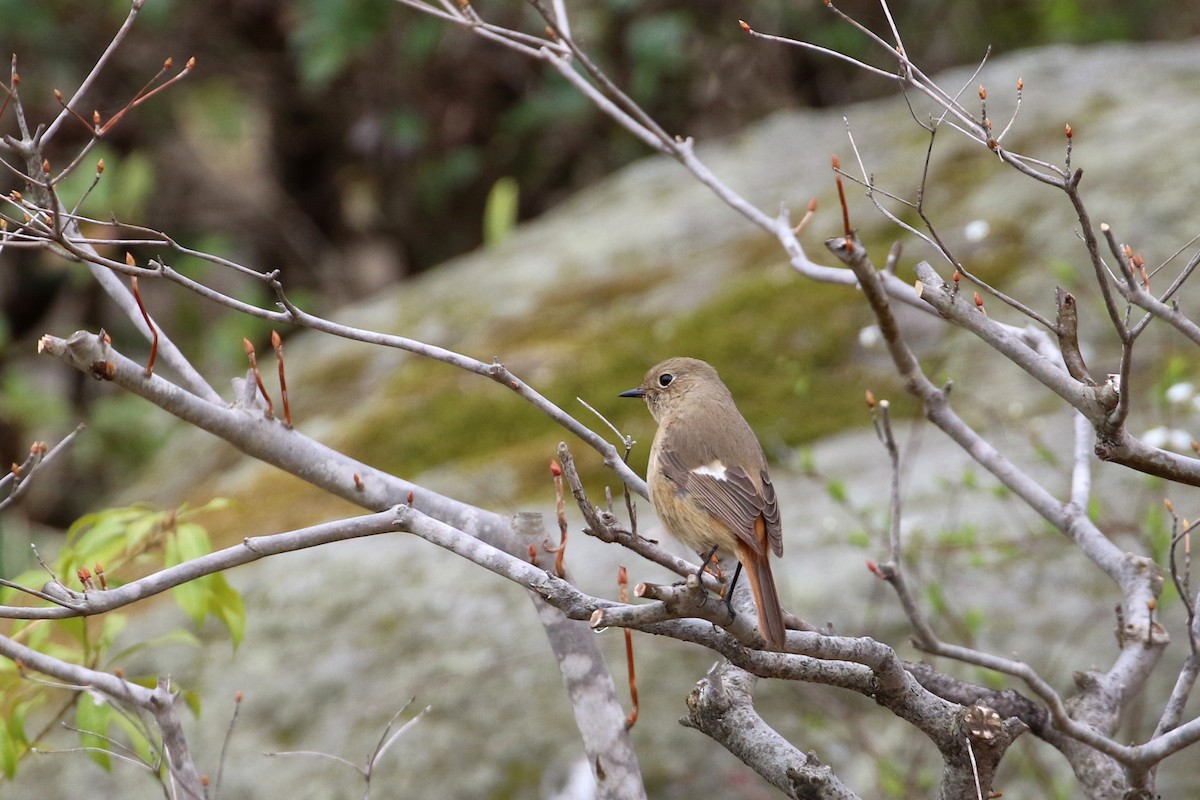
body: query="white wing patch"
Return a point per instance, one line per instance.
(714, 469)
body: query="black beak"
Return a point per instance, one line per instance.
(633, 393)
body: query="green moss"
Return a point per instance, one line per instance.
(566, 303)
(336, 386)
(518, 779)
(271, 502)
(786, 348)
(437, 414)
(787, 352)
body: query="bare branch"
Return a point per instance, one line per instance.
(722, 706)
(160, 702)
(97, 68)
(20, 477)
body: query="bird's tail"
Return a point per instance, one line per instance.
(757, 567)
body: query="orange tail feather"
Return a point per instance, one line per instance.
(766, 599)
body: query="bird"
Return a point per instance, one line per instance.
(708, 479)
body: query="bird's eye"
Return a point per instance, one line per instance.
(665, 379)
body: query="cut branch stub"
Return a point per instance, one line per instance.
(1067, 331)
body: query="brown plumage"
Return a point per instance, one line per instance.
(708, 477)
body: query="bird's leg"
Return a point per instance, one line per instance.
(708, 559)
(729, 592)
(733, 583)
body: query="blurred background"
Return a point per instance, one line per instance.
(355, 144)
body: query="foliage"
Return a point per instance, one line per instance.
(500, 214)
(103, 550)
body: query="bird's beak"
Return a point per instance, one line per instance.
(633, 393)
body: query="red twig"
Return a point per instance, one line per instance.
(808, 215)
(58, 95)
(277, 343)
(560, 510)
(623, 583)
(7, 97)
(249, 348)
(146, 316)
(142, 96)
(837, 169)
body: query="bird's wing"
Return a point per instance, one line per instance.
(729, 494)
(770, 513)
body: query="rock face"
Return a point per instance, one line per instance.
(341, 637)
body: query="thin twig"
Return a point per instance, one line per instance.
(97, 68)
(137, 296)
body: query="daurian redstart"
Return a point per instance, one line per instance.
(708, 478)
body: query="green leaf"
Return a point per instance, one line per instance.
(189, 541)
(193, 700)
(192, 598)
(137, 740)
(178, 636)
(188, 596)
(990, 678)
(329, 35)
(836, 490)
(96, 531)
(35, 632)
(92, 714)
(973, 619)
(1064, 273)
(105, 536)
(192, 541)
(145, 681)
(113, 624)
(141, 527)
(937, 599)
(891, 779)
(129, 183)
(13, 741)
(227, 605)
(500, 211)
(186, 512)
(14, 722)
(76, 627)
(33, 577)
(8, 754)
(210, 594)
(859, 538)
